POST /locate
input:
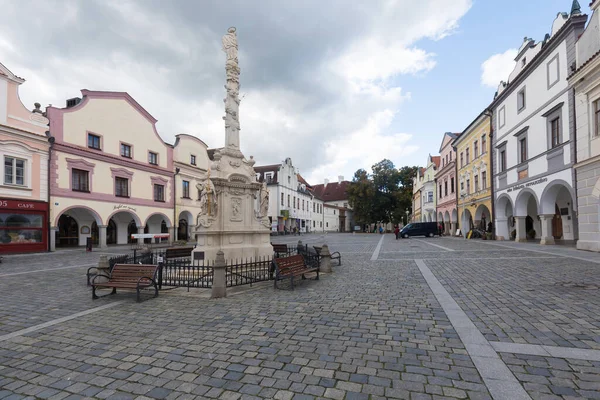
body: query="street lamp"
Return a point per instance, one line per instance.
(463, 196)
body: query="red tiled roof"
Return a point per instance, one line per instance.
(302, 180)
(421, 171)
(436, 160)
(332, 191)
(262, 170)
(584, 64)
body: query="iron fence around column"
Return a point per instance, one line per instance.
(243, 273)
(184, 273)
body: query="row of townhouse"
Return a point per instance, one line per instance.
(98, 170)
(530, 161)
(297, 206)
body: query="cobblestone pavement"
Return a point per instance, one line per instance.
(373, 329)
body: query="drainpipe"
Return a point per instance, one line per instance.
(575, 201)
(488, 113)
(51, 141)
(175, 220)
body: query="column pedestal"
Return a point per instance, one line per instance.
(546, 221)
(502, 231)
(171, 234)
(219, 286)
(520, 228)
(102, 236)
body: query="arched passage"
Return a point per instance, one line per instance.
(482, 217)
(119, 229)
(526, 215)
(558, 212)
(184, 226)
(466, 221)
(447, 223)
(504, 217)
(158, 223)
(74, 225)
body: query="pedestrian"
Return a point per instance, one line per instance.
(397, 231)
(381, 230)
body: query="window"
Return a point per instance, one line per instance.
(93, 141)
(553, 71)
(152, 158)
(468, 186)
(467, 154)
(475, 150)
(483, 180)
(121, 187)
(555, 132)
(521, 100)
(503, 160)
(288, 200)
(199, 194)
(14, 171)
(483, 144)
(290, 180)
(446, 159)
(440, 192)
(125, 150)
(523, 62)
(476, 178)
(445, 188)
(461, 160)
(450, 157)
(302, 205)
(282, 199)
(193, 159)
(333, 212)
(327, 224)
(597, 117)
(314, 207)
(523, 149)
(345, 205)
(462, 187)
(159, 192)
(186, 189)
(294, 201)
(429, 197)
(80, 180)
(452, 184)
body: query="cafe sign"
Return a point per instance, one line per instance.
(528, 184)
(22, 205)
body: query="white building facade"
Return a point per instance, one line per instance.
(534, 135)
(586, 83)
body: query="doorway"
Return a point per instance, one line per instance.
(557, 228)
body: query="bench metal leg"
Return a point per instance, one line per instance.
(94, 297)
(292, 281)
(317, 275)
(138, 294)
(114, 291)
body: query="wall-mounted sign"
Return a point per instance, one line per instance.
(528, 184)
(150, 236)
(124, 207)
(85, 230)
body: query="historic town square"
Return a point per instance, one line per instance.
(369, 200)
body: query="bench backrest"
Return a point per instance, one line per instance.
(179, 252)
(279, 248)
(288, 264)
(132, 272)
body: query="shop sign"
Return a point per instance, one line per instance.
(150, 236)
(528, 184)
(124, 207)
(22, 205)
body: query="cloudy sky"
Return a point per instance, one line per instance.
(336, 85)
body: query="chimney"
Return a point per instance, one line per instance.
(326, 182)
(340, 178)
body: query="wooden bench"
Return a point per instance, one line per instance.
(280, 250)
(334, 256)
(178, 252)
(128, 276)
(291, 267)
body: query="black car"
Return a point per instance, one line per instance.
(420, 229)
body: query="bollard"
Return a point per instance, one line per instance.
(102, 269)
(219, 285)
(325, 260)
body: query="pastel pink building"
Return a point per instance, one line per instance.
(111, 174)
(24, 171)
(446, 185)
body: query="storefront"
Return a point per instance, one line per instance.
(23, 226)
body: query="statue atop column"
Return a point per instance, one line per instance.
(232, 101)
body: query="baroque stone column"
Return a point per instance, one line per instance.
(546, 221)
(520, 228)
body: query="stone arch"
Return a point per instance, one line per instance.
(454, 215)
(482, 216)
(185, 222)
(167, 219)
(72, 208)
(465, 221)
(503, 202)
(504, 216)
(522, 202)
(122, 219)
(134, 216)
(550, 194)
(440, 217)
(447, 217)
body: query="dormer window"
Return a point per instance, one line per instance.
(193, 159)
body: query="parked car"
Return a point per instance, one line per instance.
(420, 229)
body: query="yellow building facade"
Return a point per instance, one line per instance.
(474, 171)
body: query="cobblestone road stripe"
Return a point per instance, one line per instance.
(501, 383)
(433, 244)
(375, 255)
(58, 321)
(546, 252)
(547, 351)
(48, 269)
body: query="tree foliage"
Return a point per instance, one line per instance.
(384, 196)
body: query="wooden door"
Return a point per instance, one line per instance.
(557, 228)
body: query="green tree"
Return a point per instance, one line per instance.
(360, 196)
(386, 179)
(405, 192)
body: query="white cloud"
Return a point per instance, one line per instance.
(331, 114)
(497, 68)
